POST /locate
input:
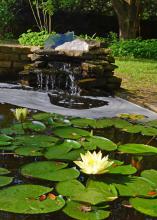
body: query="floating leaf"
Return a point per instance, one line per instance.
(120, 123)
(131, 186)
(4, 171)
(35, 140)
(102, 143)
(5, 180)
(150, 176)
(152, 123)
(123, 170)
(145, 206)
(14, 129)
(34, 126)
(104, 123)
(42, 116)
(70, 133)
(5, 138)
(77, 211)
(84, 122)
(137, 149)
(24, 199)
(29, 151)
(95, 192)
(49, 170)
(132, 117)
(3, 143)
(134, 129)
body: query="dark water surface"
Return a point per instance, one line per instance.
(14, 162)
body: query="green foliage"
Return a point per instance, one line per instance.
(85, 196)
(26, 199)
(6, 15)
(135, 48)
(34, 38)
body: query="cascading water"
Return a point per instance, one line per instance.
(59, 81)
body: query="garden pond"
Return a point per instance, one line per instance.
(40, 181)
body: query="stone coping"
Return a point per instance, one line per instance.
(40, 101)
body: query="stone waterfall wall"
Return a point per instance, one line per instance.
(13, 58)
(97, 67)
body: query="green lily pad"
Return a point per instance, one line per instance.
(148, 131)
(36, 126)
(42, 116)
(137, 149)
(123, 170)
(150, 176)
(102, 143)
(5, 180)
(71, 133)
(12, 130)
(152, 123)
(132, 186)
(5, 138)
(4, 171)
(84, 122)
(36, 140)
(145, 206)
(76, 210)
(104, 123)
(24, 199)
(3, 143)
(8, 148)
(101, 192)
(134, 129)
(120, 123)
(49, 170)
(63, 152)
(29, 151)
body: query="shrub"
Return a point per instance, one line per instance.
(135, 48)
(34, 38)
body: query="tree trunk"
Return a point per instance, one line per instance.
(128, 13)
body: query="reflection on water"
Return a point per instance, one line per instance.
(6, 116)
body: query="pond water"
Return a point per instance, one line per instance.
(14, 162)
(26, 146)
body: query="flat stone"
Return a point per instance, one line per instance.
(40, 101)
(76, 46)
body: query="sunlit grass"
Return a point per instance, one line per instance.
(137, 73)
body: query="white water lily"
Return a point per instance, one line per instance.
(94, 163)
(20, 114)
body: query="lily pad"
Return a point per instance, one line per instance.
(71, 133)
(102, 143)
(4, 143)
(132, 186)
(29, 151)
(49, 170)
(84, 122)
(137, 149)
(152, 123)
(76, 210)
(101, 192)
(24, 199)
(35, 140)
(13, 130)
(5, 180)
(150, 176)
(5, 138)
(145, 206)
(36, 126)
(4, 171)
(123, 170)
(42, 116)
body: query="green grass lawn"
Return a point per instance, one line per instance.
(137, 73)
(139, 78)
